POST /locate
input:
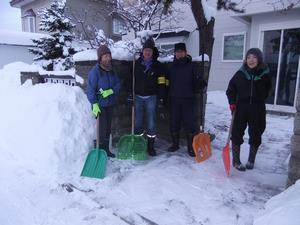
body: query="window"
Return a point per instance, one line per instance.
(29, 21)
(118, 26)
(234, 47)
(167, 49)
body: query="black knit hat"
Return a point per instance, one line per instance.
(149, 43)
(180, 46)
(257, 52)
(102, 50)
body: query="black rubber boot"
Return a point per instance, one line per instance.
(175, 142)
(106, 148)
(251, 158)
(150, 149)
(189, 139)
(236, 162)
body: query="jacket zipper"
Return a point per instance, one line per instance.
(251, 90)
(107, 74)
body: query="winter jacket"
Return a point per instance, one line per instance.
(151, 81)
(249, 86)
(184, 78)
(99, 78)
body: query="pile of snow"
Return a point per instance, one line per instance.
(19, 38)
(282, 209)
(46, 131)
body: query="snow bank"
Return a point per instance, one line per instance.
(19, 38)
(282, 209)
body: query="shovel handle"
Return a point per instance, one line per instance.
(98, 132)
(230, 128)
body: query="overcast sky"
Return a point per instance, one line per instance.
(10, 18)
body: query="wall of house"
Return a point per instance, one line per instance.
(221, 72)
(14, 53)
(98, 15)
(272, 20)
(35, 6)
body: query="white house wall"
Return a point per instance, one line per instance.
(221, 72)
(274, 20)
(13, 53)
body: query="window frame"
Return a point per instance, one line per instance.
(244, 46)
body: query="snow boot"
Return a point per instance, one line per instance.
(150, 147)
(251, 158)
(175, 142)
(189, 139)
(106, 148)
(236, 162)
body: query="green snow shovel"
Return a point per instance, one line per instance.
(132, 146)
(95, 163)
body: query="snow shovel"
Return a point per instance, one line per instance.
(202, 146)
(95, 163)
(132, 146)
(226, 149)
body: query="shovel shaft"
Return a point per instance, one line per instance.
(98, 132)
(230, 128)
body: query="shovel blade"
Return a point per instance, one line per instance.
(202, 147)
(132, 147)
(95, 164)
(226, 158)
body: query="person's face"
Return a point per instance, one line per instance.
(180, 54)
(251, 61)
(106, 59)
(147, 53)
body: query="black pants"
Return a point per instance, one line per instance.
(253, 115)
(105, 125)
(183, 111)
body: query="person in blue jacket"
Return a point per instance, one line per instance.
(102, 88)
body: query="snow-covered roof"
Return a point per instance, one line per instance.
(18, 38)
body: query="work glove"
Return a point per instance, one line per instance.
(106, 93)
(96, 109)
(232, 107)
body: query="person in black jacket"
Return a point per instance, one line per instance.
(149, 88)
(246, 93)
(184, 82)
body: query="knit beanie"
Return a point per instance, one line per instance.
(180, 46)
(149, 43)
(102, 50)
(257, 52)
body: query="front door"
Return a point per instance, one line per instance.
(281, 50)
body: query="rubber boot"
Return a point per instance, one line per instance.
(236, 162)
(106, 148)
(175, 142)
(189, 139)
(150, 149)
(251, 158)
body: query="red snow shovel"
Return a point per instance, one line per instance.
(226, 149)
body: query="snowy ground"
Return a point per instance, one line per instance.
(45, 134)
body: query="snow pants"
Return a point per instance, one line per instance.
(251, 115)
(183, 111)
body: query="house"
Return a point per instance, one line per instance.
(14, 46)
(93, 13)
(275, 32)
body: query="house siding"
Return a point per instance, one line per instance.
(221, 72)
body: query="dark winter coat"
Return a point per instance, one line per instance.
(184, 78)
(99, 78)
(248, 86)
(151, 81)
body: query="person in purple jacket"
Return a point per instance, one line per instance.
(102, 88)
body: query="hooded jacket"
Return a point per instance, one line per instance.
(249, 85)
